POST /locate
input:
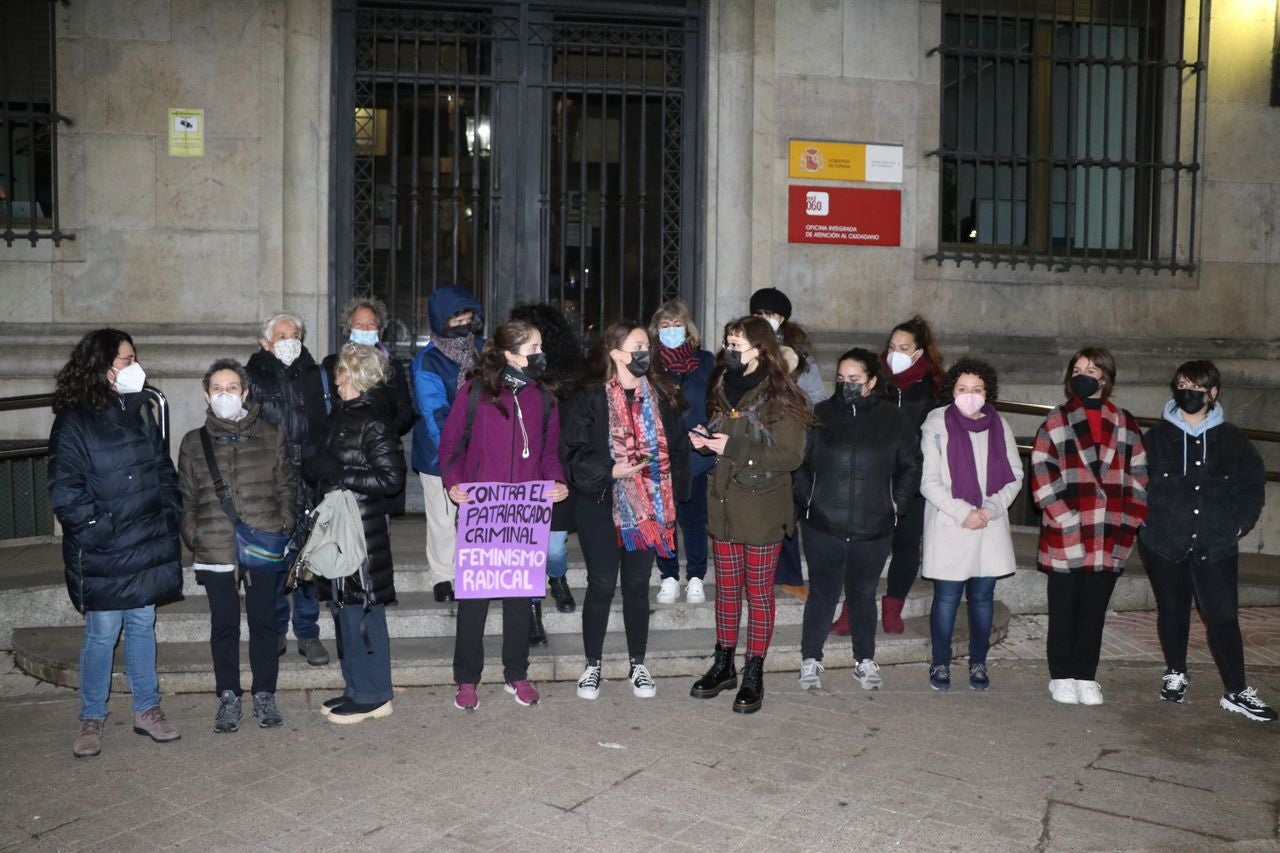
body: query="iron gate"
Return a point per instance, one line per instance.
(527, 151)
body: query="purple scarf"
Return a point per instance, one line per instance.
(964, 471)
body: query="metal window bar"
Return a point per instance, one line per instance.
(28, 100)
(1122, 194)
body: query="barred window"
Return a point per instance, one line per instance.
(28, 123)
(1070, 132)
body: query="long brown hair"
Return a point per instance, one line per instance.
(918, 327)
(782, 397)
(601, 367)
(82, 381)
(487, 374)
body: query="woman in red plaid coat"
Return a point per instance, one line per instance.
(1089, 479)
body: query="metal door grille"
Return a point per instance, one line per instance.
(524, 151)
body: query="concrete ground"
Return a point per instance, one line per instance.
(902, 768)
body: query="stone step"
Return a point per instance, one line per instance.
(418, 614)
(53, 655)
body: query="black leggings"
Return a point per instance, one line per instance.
(905, 564)
(1213, 585)
(605, 560)
(224, 629)
(1077, 609)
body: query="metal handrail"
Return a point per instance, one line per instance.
(44, 401)
(1015, 408)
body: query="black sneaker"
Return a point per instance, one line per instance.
(1174, 687)
(940, 677)
(266, 710)
(228, 718)
(978, 678)
(1246, 702)
(443, 591)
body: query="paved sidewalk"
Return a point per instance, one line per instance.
(903, 768)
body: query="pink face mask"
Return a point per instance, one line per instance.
(970, 404)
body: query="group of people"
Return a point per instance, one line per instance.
(906, 463)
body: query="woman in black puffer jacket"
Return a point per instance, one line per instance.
(115, 491)
(860, 473)
(362, 453)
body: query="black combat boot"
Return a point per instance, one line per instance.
(561, 593)
(537, 633)
(722, 676)
(751, 695)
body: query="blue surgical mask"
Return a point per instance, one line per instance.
(673, 336)
(368, 337)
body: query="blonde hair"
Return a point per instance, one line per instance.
(364, 366)
(676, 309)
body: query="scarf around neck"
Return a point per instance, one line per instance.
(960, 460)
(680, 360)
(644, 506)
(461, 351)
(738, 383)
(911, 375)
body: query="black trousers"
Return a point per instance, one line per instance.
(834, 564)
(1213, 585)
(1077, 609)
(224, 629)
(905, 564)
(468, 644)
(606, 559)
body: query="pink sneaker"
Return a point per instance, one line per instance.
(523, 691)
(466, 700)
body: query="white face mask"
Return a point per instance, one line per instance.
(226, 405)
(774, 323)
(899, 361)
(288, 350)
(131, 379)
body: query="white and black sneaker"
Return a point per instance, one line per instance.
(1246, 702)
(867, 673)
(1174, 688)
(589, 682)
(641, 682)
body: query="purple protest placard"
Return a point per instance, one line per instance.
(501, 549)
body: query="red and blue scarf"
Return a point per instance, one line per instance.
(644, 506)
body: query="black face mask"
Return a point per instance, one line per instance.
(537, 365)
(1190, 400)
(1083, 385)
(733, 361)
(639, 364)
(460, 331)
(849, 392)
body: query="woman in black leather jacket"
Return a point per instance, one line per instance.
(1204, 492)
(861, 471)
(362, 453)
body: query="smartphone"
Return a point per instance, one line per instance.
(701, 432)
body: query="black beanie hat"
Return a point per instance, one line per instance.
(772, 300)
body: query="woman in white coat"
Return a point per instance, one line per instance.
(971, 475)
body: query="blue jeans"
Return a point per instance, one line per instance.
(366, 668)
(558, 554)
(306, 609)
(101, 631)
(980, 593)
(692, 518)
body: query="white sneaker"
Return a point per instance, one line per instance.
(1090, 692)
(810, 674)
(867, 673)
(641, 682)
(1064, 690)
(589, 683)
(693, 591)
(669, 591)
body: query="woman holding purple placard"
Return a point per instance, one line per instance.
(504, 426)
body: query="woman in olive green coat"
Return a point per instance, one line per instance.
(757, 427)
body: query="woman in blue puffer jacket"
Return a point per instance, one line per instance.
(115, 491)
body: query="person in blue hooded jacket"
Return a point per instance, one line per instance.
(1205, 491)
(439, 370)
(115, 491)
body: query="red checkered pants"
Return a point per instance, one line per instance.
(752, 567)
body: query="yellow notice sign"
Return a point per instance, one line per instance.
(845, 161)
(186, 133)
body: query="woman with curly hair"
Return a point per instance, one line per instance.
(972, 474)
(504, 427)
(115, 492)
(757, 431)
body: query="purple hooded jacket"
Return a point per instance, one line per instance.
(494, 452)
